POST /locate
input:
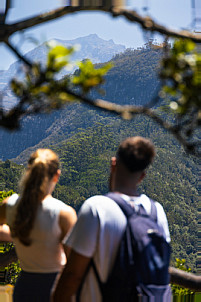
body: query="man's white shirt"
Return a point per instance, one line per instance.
(98, 232)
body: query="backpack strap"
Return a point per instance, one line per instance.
(124, 206)
(128, 210)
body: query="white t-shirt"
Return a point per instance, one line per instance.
(45, 254)
(97, 233)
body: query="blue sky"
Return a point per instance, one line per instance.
(176, 14)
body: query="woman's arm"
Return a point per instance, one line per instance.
(3, 211)
(67, 219)
(5, 233)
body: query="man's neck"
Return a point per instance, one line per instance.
(126, 191)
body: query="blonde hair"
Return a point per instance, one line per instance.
(34, 185)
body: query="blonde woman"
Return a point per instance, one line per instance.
(38, 224)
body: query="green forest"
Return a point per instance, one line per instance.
(85, 141)
(85, 160)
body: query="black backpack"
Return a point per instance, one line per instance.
(140, 271)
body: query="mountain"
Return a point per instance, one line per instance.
(85, 161)
(86, 139)
(90, 47)
(133, 80)
(128, 82)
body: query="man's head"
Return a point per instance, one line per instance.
(136, 153)
(133, 156)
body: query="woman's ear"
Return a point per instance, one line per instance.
(56, 176)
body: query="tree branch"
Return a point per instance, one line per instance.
(146, 22)
(184, 279)
(125, 111)
(128, 111)
(17, 53)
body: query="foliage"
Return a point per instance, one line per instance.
(172, 180)
(13, 269)
(4, 194)
(181, 71)
(58, 57)
(178, 290)
(133, 78)
(41, 91)
(89, 77)
(10, 174)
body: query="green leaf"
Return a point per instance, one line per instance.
(88, 76)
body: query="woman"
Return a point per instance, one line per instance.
(38, 224)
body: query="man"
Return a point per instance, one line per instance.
(101, 223)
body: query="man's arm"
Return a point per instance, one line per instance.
(70, 279)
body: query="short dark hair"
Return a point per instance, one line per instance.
(136, 153)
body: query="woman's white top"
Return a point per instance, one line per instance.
(45, 254)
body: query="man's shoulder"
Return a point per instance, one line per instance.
(97, 199)
(103, 207)
(101, 201)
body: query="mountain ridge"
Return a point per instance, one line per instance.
(91, 47)
(127, 83)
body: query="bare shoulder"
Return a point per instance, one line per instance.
(68, 212)
(3, 211)
(5, 233)
(67, 219)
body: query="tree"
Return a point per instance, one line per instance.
(42, 92)
(180, 75)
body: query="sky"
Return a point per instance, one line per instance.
(176, 14)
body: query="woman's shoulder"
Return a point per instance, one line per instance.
(56, 204)
(11, 208)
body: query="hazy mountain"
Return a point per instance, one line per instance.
(90, 47)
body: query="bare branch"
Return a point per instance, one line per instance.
(184, 279)
(128, 111)
(146, 22)
(11, 119)
(17, 53)
(149, 25)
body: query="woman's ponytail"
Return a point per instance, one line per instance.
(42, 166)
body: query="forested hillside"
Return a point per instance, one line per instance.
(172, 180)
(132, 80)
(10, 174)
(86, 139)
